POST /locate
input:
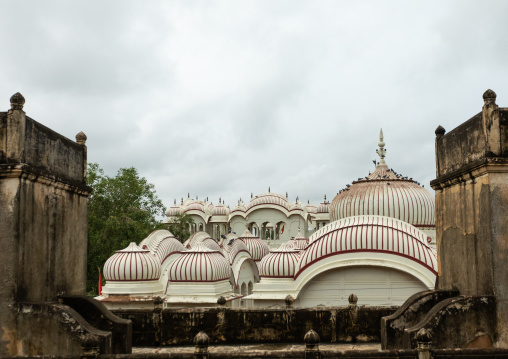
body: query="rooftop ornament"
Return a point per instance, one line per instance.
(17, 101)
(381, 151)
(81, 138)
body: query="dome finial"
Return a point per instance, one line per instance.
(381, 151)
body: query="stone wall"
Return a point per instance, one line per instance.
(260, 325)
(471, 205)
(43, 214)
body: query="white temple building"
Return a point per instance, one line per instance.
(376, 239)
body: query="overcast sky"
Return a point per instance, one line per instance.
(225, 98)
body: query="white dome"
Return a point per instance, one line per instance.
(132, 264)
(268, 200)
(202, 238)
(235, 248)
(162, 244)
(220, 210)
(280, 263)
(257, 248)
(300, 242)
(200, 264)
(369, 234)
(385, 193)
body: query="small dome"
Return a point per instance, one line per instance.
(268, 199)
(300, 242)
(132, 264)
(323, 207)
(297, 206)
(162, 244)
(234, 247)
(201, 238)
(257, 248)
(173, 211)
(200, 264)
(220, 210)
(240, 207)
(194, 205)
(280, 263)
(310, 208)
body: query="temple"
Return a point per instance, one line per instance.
(376, 238)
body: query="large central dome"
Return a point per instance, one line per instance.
(385, 193)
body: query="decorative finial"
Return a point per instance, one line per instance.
(297, 198)
(81, 138)
(251, 195)
(489, 96)
(325, 197)
(220, 199)
(381, 151)
(440, 131)
(268, 189)
(17, 101)
(175, 201)
(182, 201)
(286, 195)
(188, 195)
(308, 201)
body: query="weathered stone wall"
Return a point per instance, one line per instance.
(471, 206)
(229, 326)
(43, 213)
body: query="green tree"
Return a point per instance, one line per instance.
(180, 226)
(121, 209)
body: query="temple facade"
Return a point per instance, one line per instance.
(376, 239)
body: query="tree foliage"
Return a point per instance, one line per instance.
(121, 209)
(180, 226)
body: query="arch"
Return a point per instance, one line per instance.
(374, 286)
(366, 259)
(250, 288)
(244, 289)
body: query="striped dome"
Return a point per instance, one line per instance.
(324, 207)
(240, 207)
(220, 210)
(310, 208)
(236, 247)
(202, 238)
(257, 248)
(200, 264)
(300, 242)
(385, 193)
(173, 211)
(132, 264)
(162, 244)
(194, 205)
(280, 263)
(369, 234)
(268, 199)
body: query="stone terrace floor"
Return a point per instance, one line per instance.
(256, 348)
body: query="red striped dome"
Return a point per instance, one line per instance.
(132, 264)
(200, 264)
(235, 248)
(369, 234)
(257, 248)
(162, 244)
(385, 193)
(280, 263)
(268, 199)
(300, 242)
